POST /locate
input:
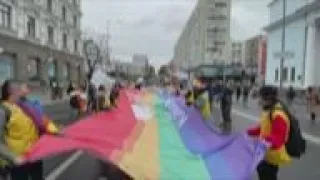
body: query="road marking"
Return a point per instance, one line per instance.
(57, 172)
(309, 137)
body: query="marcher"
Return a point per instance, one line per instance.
(92, 97)
(114, 95)
(201, 100)
(238, 92)
(245, 93)
(225, 107)
(79, 103)
(274, 129)
(291, 94)
(189, 97)
(8, 158)
(312, 104)
(27, 123)
(71, 88)
(103, 102)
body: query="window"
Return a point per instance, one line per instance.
(284, 74)
(66, 71)
(218, 17)
(65, 41)
(49, 5)
(50, 35)
(7, 67)
(217, 29)
(276, 74)
(293, 74)
(5, 15)
(75, 46)
(64, 13)
(75, 21)
(33, 68)
(31, 26)
(217, 43)
(52, 69)
(220, 4)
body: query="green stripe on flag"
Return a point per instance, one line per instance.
(176, 162)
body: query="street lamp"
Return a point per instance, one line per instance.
(283, 42)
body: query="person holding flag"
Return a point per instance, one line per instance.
(201, 99)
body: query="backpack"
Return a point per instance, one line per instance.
(7, 111)
(296, 144)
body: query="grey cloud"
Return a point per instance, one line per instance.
(153, 26)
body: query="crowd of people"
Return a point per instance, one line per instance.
(23, 121)
(85, 100)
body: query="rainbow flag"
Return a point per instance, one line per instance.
(152, 135)
(177, 144)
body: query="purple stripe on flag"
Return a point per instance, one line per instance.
(237, 154)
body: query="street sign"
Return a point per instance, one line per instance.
(285, 55)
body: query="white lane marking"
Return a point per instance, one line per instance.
(57, 172)
(309, 137)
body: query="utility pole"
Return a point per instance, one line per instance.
(283, 43)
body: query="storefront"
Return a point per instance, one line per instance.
(35, 64)
(6, 67)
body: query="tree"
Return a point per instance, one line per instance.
(102, 40)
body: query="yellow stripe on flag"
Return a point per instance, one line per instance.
(142, 163)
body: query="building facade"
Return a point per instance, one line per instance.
(205, 38)
(302, 41)
(262, 60)
(140, 60)
(237, 51)
(251, 49)
(41, 41)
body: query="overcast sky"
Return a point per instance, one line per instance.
(153, 26)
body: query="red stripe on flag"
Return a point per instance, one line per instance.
(105, 134)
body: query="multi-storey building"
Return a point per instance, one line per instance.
(251, 47)
(237, 52)
(41, 40)
(301, 43)
(206, 36)
(141, 60)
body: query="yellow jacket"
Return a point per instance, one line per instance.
(21, 133)
(204, 105)
(278, 156)
(189, 98)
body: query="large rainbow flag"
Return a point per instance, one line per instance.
(154, 136)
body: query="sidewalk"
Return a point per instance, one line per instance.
(45, 98)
